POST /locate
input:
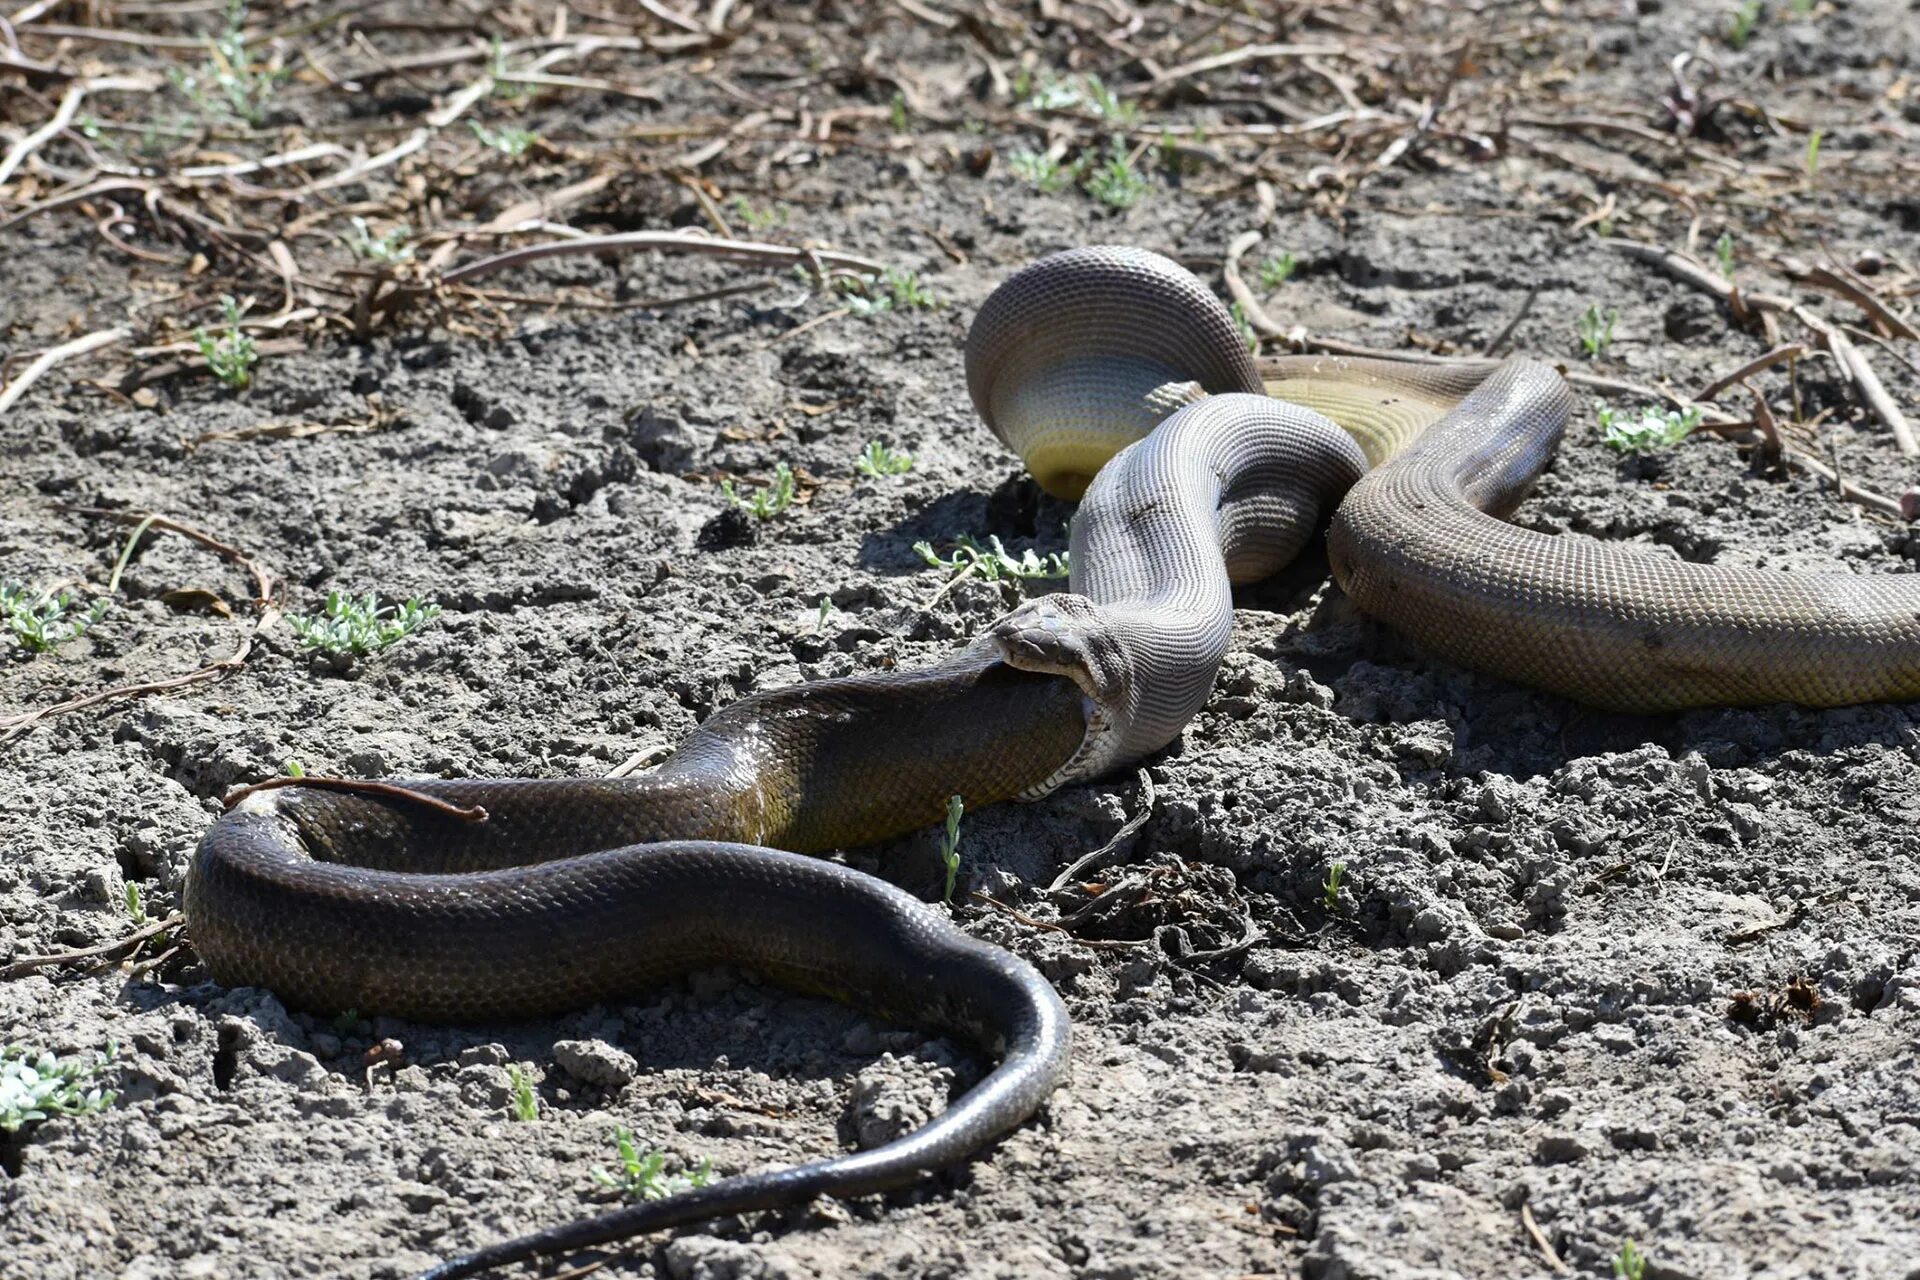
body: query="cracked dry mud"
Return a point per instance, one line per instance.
(1526, 1003)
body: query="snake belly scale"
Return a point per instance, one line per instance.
(567, 892)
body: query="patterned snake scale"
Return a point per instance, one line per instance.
(1116, 375)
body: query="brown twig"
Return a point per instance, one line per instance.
(28, 964)
(262, 579)
(362, 786)
(54, 355)
(1792, 351)
(664, 241)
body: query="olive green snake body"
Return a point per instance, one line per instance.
(491, 899)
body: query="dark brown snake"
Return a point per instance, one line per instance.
(570, 892)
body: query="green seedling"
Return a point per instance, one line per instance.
(644, 1177)
(40, 621)
(136, 905)
(890, 290)
(388, 250)
(1813, 155)
(758, 219)
(877, 460)
(1044, 172)
(1115, 182)
(1596, 330)
(1723, 254)
(950, 845)
(1276, 271)
(509, 142)
(1089, 95)
(1245, 326)
(295, 770)
(1653, 429)
(230, 83)
(820, 619)
(1741, 22)
(1330, 887)
(993, 561)
(231, 354)
(897, 113)
(346, 1022)
(522, 1107)
(1629, 1263)
(763, 504)
(361, 625)
(35, 1087)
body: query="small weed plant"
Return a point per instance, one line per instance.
(1652, 429)
(361, 625)
(230, 84)
(763, 503)
(1276, 271)
(42, 621)
(1596, 330)
(230, 354)
(950, 845)
(1088, 95)
(1115, 181)
(1813, 155)
(1629, 1263)
(388, 250)
(994, 562)
(38, 1086)
(1044, 171)
(509, 142)
(757, 219)
(522, 1106)
(1741, 22)
(889, 291)
(877, 460)
(1331, 886)
(644, 1177)
(1245, 326)
(1723, 254)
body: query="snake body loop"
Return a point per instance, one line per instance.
(571, 892)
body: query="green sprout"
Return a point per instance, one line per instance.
(35, 1087)
(361, 625)
(877, 460)
(950, 845)
(1653, 429)
(1089, 95)
(231, 83)
(1276, 271)
(1114, 181)
(764, 504)
(1629, 1263)
(1330, 887)
(993, 562)
(1596, 330)
(136, 906)
(388, 250)
(644, 1177)
(40, 621)
(509, 142)
(1044, 171)
(758, 219)
(232, 355)
(522, 1107)
(1723, 254)
(820, 619)
(888, 291)
(1741, 22)
(1813, 155)
(897, 112)
(1245, 326)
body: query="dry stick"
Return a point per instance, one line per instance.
(1854, 291)
(714, 246)
(1089, 860)
(1234, 57)
(27, 964)
(362, 786)
(263, 580)
(1792, 351)
(1249, 305)
(1500, 339)
(1851, 360)
(53, 356)
(1539, 1238)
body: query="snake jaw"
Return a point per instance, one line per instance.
(1069, 635)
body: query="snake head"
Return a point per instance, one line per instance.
(1083, 352)
(1069, 635)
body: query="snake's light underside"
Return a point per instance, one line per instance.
(410, 902)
